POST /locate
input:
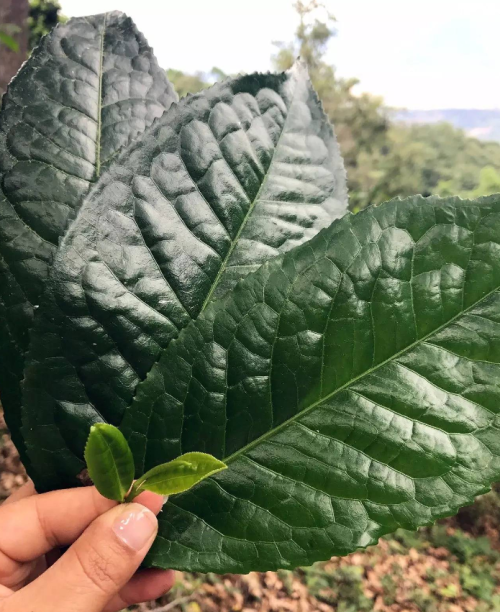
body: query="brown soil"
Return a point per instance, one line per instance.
(12, 474)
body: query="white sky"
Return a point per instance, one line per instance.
(420, 54)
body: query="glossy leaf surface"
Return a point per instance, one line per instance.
(224, 181)
(89, 89)
(180, 474)
(109, 461)
(352, 386)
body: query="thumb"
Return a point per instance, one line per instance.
(96, 566)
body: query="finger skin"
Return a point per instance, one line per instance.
(34, 525)
(14, 574)
(145, 585)
(4, 593)
(95, 569)
(37, 524)
(153, 501)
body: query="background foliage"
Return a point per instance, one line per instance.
(43, 16)
(383, 158)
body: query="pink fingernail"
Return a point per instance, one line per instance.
(136, 526)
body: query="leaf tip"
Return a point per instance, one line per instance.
(300, 67)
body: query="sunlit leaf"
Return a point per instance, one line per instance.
(180, 474)
(109, 461)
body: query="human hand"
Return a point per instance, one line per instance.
(98, 572)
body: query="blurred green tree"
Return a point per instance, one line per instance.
(432, 158)
(7, 36)
(489, 183)
(43, 16)
(13, 39)
(383, 159)
(185, 83)
(361, 121)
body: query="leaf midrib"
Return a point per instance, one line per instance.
(349, 383)
(99, 102)
(223, 267)
(119, 480)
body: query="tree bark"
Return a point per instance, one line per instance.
(13, 12)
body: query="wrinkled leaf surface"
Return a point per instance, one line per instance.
(89, 89)
(352, 386)
(224, 181)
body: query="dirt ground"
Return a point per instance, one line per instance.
(454, 567)
(12, 474)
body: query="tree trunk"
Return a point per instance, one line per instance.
(13, 12)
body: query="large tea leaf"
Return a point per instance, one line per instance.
(352, 386)
(224, 181)
(89, 89)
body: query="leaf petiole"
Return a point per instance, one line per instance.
(135, 490)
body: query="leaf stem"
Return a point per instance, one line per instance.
(134, 492)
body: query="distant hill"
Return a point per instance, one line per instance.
(482, 124)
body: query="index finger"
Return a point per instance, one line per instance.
(36, 524)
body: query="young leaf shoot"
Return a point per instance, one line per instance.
(109, 461)
(178, 475)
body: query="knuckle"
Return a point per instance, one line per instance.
(44, 525)
(14, 575)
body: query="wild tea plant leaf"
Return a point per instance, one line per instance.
(352, 386)
(90, 88)
(109, 461)
(180, 474)
(222, 182)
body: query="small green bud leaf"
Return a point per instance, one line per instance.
(180, 474)
(109, 461)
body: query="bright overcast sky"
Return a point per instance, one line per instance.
(422, 55)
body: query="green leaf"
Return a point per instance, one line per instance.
(180, 474)
(89, 89)
(224, 181)
(352, 386)
(9, 42)
(109, 461)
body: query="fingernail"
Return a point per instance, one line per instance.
(136, 527)
(165, 499)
